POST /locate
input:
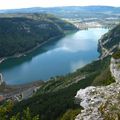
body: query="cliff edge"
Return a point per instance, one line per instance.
(109, 42)
(1, 79)
(103, 102)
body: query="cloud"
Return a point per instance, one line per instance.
(7, 4)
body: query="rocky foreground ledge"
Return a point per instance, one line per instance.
(101, 103)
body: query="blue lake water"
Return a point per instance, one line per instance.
(55, 58)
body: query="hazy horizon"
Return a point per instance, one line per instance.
(17, 4)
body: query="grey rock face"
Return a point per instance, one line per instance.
(92, 99)
(115, 69)
(1, 78)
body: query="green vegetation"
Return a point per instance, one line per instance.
(22, 33)
(71, 114)
(56, 97)
(104, 78)
(111, 39)
(116, 55)
(111, 110)
(66, 26)
(114, 35)
(6, 109)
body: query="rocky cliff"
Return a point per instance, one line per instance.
(1, 79)
(103, 102)
(110, 42)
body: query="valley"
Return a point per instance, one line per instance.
(55, 64)
(47, 70)
(72, 52)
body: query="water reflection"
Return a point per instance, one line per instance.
(54, 58)
(81, 41)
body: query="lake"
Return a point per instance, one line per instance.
(57, 57)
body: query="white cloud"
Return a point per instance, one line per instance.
(7, 4)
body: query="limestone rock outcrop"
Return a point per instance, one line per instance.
(101, 103)
(1, 78)
(115, 69)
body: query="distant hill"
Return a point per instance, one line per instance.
(72, 11)
(21, 33)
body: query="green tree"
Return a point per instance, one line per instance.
(71, 114)
(6, 109)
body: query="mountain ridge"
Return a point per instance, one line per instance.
(17, 30)
(71, 11)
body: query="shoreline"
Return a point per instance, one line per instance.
(31, 50)
(2, 59)
(20, 92)
(14, 90)
(8, 90)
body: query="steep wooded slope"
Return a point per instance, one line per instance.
(21, 33)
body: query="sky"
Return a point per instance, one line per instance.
(12, 4)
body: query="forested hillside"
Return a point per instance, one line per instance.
(19, 34)
(110, 42)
